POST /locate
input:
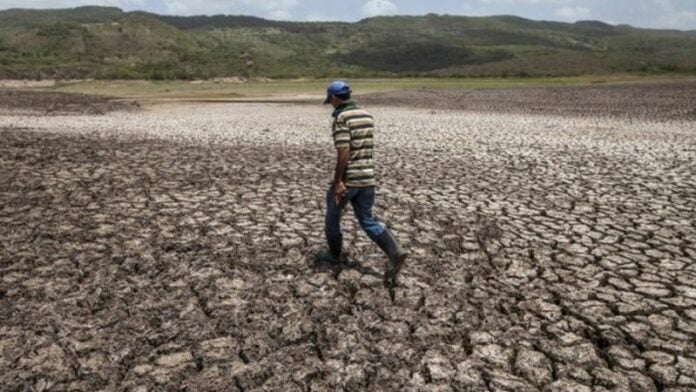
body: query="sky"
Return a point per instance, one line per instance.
(670, 14)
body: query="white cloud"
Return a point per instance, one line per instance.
(379, 7)
(279, 14)
(526, 1)
(473, 11)
(316, 17)
(177, 7)
(677, 20)
(273, 9)
(573, 14)
(670, 15)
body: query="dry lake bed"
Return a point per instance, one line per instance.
(171, 246)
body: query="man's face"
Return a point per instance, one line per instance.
(335, 102)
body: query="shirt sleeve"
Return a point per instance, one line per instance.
(341, 134)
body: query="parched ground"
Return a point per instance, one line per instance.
(173, 248)
(16, 101)
(644, 101)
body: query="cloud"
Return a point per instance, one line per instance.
(274, 9)
(473, 11)
(573, 13)
(677, 20)
(379, 7)
(670, 15)
(316, 17)
(279, 14)
(526, 1)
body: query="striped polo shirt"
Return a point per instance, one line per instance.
(354, 128)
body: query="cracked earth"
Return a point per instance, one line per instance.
(173, 248)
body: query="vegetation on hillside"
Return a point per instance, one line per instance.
(106, 43)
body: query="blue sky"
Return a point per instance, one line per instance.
(677, 14)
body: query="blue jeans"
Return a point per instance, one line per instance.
(362, 200)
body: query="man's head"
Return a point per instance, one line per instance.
(338, 92)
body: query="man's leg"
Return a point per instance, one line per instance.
(332, 222)
(362, 204)
(379, 233)
(332, 225)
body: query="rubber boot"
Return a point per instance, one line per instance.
(396, 254)
(333, 256)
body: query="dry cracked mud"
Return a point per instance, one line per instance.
(172, 248)
(645, 101)
(14, 101)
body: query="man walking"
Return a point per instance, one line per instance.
(354, 179)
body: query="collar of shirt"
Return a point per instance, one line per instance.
(343, 107)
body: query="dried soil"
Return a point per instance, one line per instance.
(664, 101)
(17, 101)
(174, 248)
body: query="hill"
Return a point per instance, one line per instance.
(107, 43)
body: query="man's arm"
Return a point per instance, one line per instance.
(343, 155)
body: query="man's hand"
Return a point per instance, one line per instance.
(340, 191)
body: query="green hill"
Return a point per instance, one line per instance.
(107, 43)
(29, 18)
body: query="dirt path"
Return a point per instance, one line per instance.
(173, 248)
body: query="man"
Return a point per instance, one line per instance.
(354, 179)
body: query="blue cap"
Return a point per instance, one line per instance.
(337, 87)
